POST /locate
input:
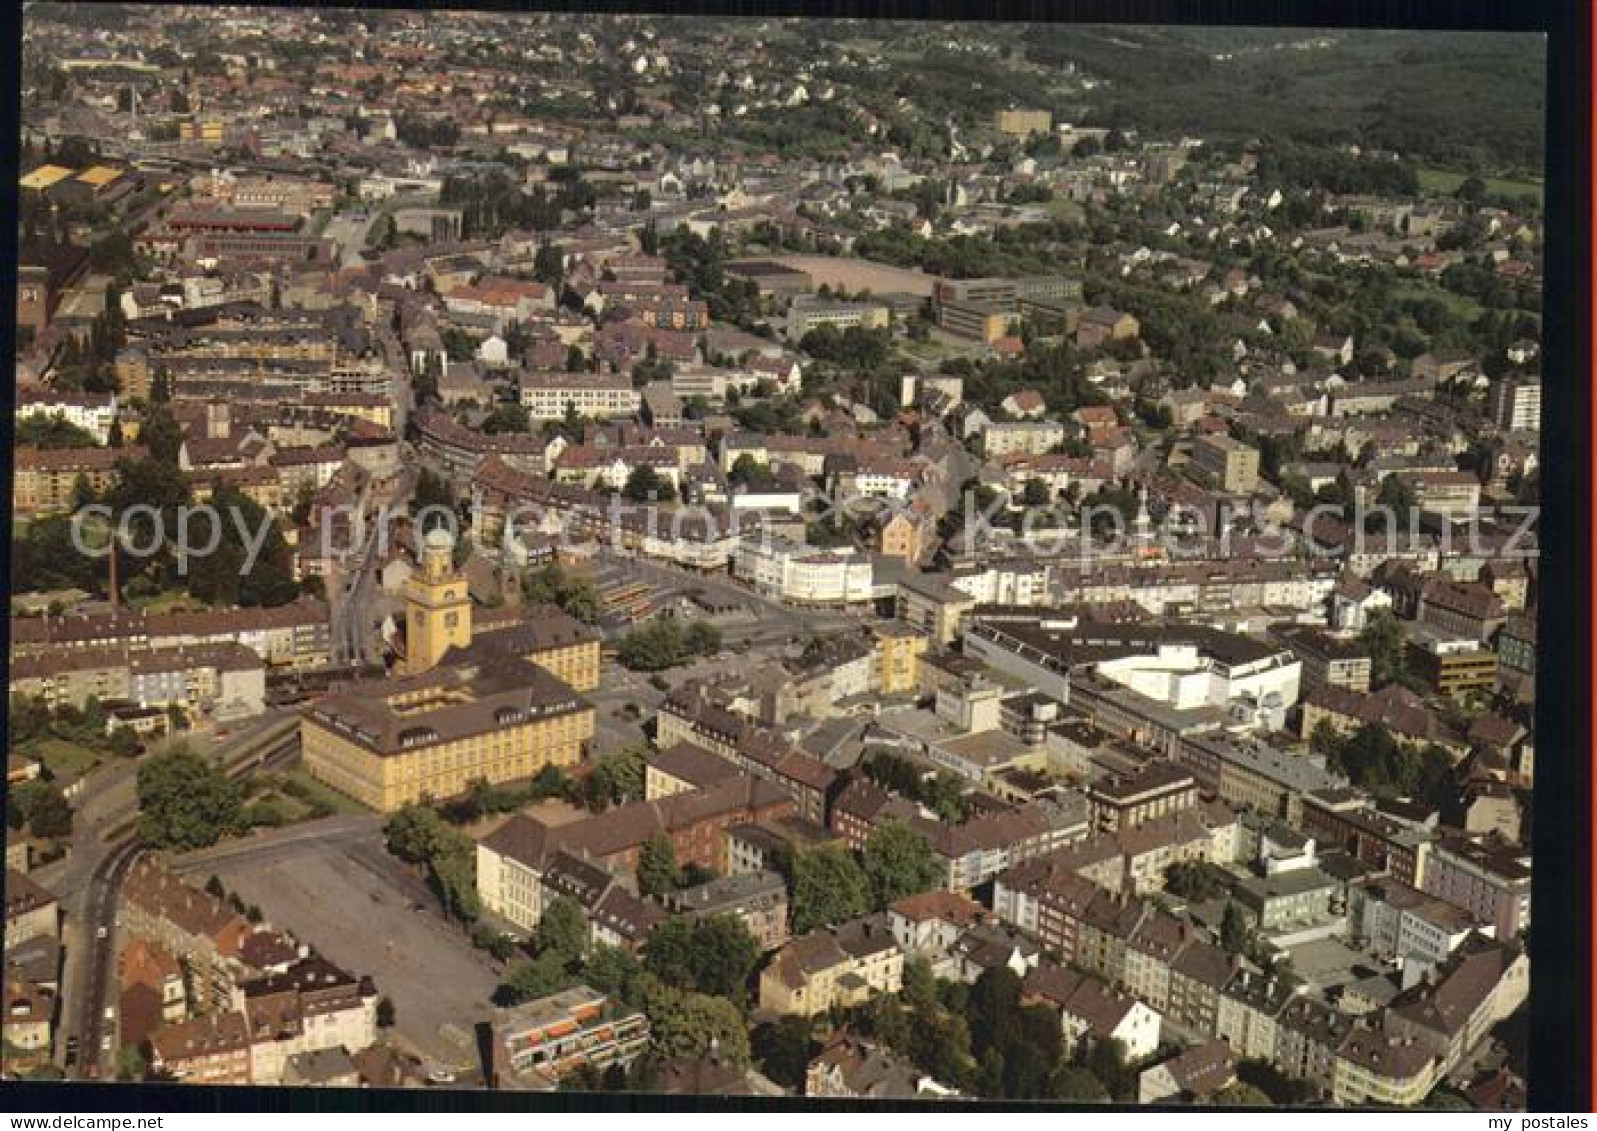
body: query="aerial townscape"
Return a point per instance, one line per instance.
(560, 552)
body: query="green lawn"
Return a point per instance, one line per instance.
(168, 601)
(334, 800)
(925, 351)
(65, 760)
(1445, 181)
(1462, 307)
(1064, 208)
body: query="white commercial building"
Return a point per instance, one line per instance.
(805, 575)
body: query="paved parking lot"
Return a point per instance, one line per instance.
(1331, 962)
(357, 906)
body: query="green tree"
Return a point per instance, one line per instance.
(702, 638)
(553, 585)
(689, 1025)
(1396, 497)
(725, 954)
(563, 930)
(411, 833)
(899, 861)
(494, 941)
(939, 1043)
(656, 646)
(159, 434)
(417, 835)
(1383, 637)
(547, 974)
(750, 472)
(1240, 1094)
(222, 577)
(617, 778)
(1077, 1085)
(42, 807)
(52, 432)
(1235, 937)
(617, 972)
(668, 953)
(1325, 740)
(829, 887)
(186, 802)
(993, 1009)
(645, 484)
(1375, 761)
(782, 1049)
(920, 984)
(506, 418)
(1107, 1060)
(82, 494)
(1282, 1090)
(1471, 190)
(657, 866)
(1193, 880)
(453, 876)
(130, 1063)
(548, 265)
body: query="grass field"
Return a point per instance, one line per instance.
(1064, 208)
(66, 760)
(1444, 181)
(334, 800)
(1463, 308)
(170, 601)
(923, 351)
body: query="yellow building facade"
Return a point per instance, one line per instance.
(437, 606)
(576, 664)
(434, 736)
(898, 653)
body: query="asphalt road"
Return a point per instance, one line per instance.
(329, 834)
(355, 599)
(87, 882)
(97, 979)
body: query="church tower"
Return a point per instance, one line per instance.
(437, 605)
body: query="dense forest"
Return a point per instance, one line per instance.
(1468, 101)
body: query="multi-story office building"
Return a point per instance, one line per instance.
(602, 395)
(1515, 403)
(983, 321)
(808, 312)
(433, 735)
(1233, 464)
(1454, 667)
